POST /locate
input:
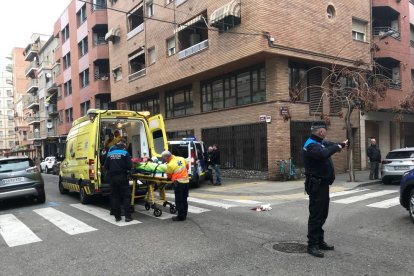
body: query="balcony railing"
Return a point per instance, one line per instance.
(384, 32)
(33, 135)
(137, 75)
(395, 85)
(32, 67)
(52, 132)
(99, 41)
(45, 65)
(98, 5)
(30, 102)
(193, 49)
(32, 86)
(52, 109)
(102, 76)
(33, 120)
(9, 68)
(135, 31)
(31, 52)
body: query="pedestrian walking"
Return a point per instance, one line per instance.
(215, 159)
(319, 171)
(177, 172)
(118, 164)
(374, 155)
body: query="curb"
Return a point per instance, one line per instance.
(368, 184)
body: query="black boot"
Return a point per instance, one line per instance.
(325, 246)
(314, 251)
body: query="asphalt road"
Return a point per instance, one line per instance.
(219, 238)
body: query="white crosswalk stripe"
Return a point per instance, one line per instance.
(66, 223)
(141, 209)
(354, 199)
(15, 232)
(336, 194)
(243, 201)
(386, 203)
(102, 214)
(207, 202)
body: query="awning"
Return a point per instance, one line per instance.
(188, 23)
(114, 32)
(50, 97)
(230, 9)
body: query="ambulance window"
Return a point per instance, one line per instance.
(158, 141)
(199, 151)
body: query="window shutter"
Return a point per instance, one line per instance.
(315, 91)
(359, 26)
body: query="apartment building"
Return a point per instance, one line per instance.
(7, 139)
(393, 41)
(221, 70)
(20, 82)
(83, 58)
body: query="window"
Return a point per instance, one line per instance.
(83, 47)
(298, 82)
(168, 1)
(136, 64)
(117, 73)
(9, 93)
(84, 107)
(193, 36)
(81, 15)
(180, 134)
(84, 78)
(150, 8)
(179, 102)
(98, 5)
(244, 87)
(151, 55)
(65, 33)
(359, 29)
(69, 115)
(179, 2)
(67, 87)
(66, 61)
(113, 2)
(330, 11)
(135, 21)
(171, 46)
(152, 105)
(60, 117)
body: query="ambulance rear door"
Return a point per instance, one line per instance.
(157, 138)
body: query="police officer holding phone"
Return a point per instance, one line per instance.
(320, 173)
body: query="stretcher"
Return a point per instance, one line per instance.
(151, 183)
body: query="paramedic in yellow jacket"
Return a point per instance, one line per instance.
(177, 172)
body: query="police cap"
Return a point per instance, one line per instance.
(318, 125)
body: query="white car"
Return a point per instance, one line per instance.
(47, 164)
(396, 163)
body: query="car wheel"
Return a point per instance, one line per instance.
(41, 170)
(411, 205)
(62, 190)
(41, 198)
(386, 181)
(84, 198)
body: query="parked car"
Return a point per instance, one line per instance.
(396, 163)
(19, 177)
(47, 164)
(56, 165)
(407, 192)
(193, 151)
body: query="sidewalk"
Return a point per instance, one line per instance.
(264, 188)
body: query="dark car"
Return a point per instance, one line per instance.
(19, 177)
(407, 192)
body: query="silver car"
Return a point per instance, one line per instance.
(19, 177)
(396, 163)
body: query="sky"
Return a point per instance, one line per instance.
(20, 19)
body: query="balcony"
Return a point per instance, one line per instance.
(9, 68)
(32, 86)
(52, 132)
(30, 52)
(45, 65)
(384, 32)
(31, 102)
(193, 49)
(137, 74)
(33, 120)
(33, 135)
(135, 31)
(31, 69)
(98, 5)
(9, 81)
(52, 110)
(52, 88)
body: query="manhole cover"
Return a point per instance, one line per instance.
(290, 247)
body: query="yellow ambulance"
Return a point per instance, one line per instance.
(87, 142)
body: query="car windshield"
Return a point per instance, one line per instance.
(400, 154)
(13, 165)
(179, 149)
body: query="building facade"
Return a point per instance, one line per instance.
(83, 60)
(222, 71)
(7, 138)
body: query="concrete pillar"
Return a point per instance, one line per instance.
(395, 135)
(363, 143)
(384, 137)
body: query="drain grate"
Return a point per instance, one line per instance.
(290, 247)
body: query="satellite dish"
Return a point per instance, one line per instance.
(48, 75)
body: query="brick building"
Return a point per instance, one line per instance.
(7, 139)
(222, 70)
(82, 57)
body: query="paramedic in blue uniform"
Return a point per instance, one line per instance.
(118, 163)
(320, 173)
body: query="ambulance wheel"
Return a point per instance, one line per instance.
(173, 209)
(62, 190)
(157, 212)
(83, 196)
(147, 206)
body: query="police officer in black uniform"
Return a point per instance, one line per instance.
(118, 163)
(319, 171)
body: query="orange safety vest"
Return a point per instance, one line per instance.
(177, 169)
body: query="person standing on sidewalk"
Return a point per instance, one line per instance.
(215, 159)
(320, 173)
(177, 172)
(374, 155)
(118, 163)
(208, 154)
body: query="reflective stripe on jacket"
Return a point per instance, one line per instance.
(177, 169)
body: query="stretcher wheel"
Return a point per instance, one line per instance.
(157, 212)
(164, 204)
(173, 209)
(147, 206)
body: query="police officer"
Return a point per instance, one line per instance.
(118, 163)
(319, 171)
(177, 172)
